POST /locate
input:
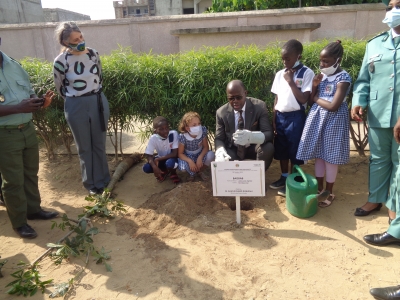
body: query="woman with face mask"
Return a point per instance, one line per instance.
(377, 90)
(78, 79)
(325, 136)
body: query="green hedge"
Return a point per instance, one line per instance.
(141, 86)
(243, 5)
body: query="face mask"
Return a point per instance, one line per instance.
(392, 18)
(195, 130)
(330, 70)
(79, 47)
(160, 137)
(296, 63)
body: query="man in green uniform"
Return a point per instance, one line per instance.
(19, 152)
(378, 89)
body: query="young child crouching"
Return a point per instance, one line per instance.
(165, 143)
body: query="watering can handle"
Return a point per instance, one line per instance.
(297, 169)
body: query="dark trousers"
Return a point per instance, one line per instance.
(19, 166)
(263, 152)
(1, 193)
(82, 115)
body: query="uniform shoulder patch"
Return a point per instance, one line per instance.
(383, 33)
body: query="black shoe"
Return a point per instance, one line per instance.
(26, 231)
(381, 239)
(42, 215)
(386, 293)
(362, 213)
(282, 192)
(95, 191)
(280, 183)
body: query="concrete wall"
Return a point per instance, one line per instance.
(60, 15)
(21, 11)
(154, 33)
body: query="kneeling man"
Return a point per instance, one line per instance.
(243, 129)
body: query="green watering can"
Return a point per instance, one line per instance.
(302, 193)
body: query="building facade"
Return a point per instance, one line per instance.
(61, 15)
(21, 11)
(144, 8)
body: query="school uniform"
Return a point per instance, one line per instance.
(163, 147)
(326, 133)
(289, 113)
(193, 147)
(378, 89)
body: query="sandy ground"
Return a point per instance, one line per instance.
(179, 242)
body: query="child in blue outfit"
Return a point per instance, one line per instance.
(326, 132)
(193, 152)
(292, 87)
(165, 143)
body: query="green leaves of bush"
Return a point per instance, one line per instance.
(141, 86)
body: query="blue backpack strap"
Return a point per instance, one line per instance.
(171, 137)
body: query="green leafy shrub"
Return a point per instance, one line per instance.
(141, 86)
(242, 5)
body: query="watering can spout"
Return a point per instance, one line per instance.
(311, 199)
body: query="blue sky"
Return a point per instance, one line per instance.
(96, 9)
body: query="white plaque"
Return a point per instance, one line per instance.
(238, 178)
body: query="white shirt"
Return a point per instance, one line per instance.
(286, 100)
(162, 147)
(237, 114)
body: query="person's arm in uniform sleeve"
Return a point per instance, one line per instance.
(361, 89)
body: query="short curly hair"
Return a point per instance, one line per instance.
(158, 120)
(186, 120)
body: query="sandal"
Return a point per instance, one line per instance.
(162, 177)
(327, 202)
(175, 179)
(203, 176)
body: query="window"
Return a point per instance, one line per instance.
(188, 11)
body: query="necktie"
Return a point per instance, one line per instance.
(396, 41)
(241, 150)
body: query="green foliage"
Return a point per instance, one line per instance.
(61, 289)
(27, 281)
(142, 86)
(242, 5)
(104, 205)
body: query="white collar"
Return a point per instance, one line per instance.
(332, 77)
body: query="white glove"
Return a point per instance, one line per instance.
(244, 137)
(221, 155)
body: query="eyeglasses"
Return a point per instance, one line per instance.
(233, 98)
(389, 8)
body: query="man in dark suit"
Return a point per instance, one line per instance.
(243, 129)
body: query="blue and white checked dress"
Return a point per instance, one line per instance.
(193, 148)
(326, 134)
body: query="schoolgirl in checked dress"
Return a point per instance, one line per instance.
(326, 132)
(193, 151)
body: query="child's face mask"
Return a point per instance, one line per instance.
(330, 70)
(392, 18)
(195, 130)
(296, 64)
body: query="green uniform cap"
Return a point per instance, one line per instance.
(386, 2)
